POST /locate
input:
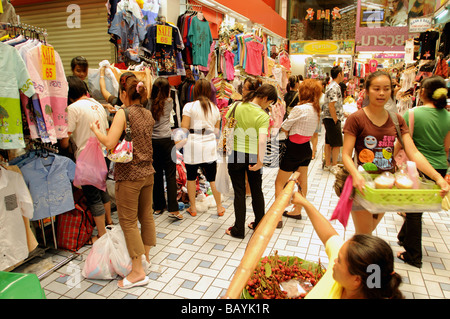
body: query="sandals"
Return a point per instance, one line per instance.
(176, 215)
(158, 212)
(127, 284)
(229, 231)
(221, 213)
(286, 214)
(193, 214)
(404, 257)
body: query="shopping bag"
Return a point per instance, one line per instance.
(123, 152)
(119, 256)
(74, 228)
(111, 84)
(98, 263)
(223, 181)
(344, 205)
(91, 166)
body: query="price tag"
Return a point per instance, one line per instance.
(164, 34)
(48, 63)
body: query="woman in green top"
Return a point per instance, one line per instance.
(250, 137)
(431, 135)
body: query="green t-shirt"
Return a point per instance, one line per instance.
(251, 120)
(201, 40)
(430, 128)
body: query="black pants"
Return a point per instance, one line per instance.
(165, 165)
(411, 234)
(238, 165)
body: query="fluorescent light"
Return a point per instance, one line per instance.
(207, 3)
(440, 15)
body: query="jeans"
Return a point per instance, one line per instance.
(238, 164)
(165, 166)
(134, 203)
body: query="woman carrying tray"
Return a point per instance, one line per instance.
(372, 133)
(431, 135)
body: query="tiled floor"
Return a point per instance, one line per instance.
(195, 259)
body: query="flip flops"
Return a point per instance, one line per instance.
(193, 214)
(127, 284)
(176, 215)
(403, 257)
(286, 214)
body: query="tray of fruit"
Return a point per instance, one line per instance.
(399, 192)
(281, 277)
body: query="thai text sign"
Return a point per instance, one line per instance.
(322, 47)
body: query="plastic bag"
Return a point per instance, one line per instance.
(91, 166)
(98, 264)
(120, 258)
(223, 181)
(111, 84)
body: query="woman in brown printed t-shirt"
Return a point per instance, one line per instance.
(134, 180)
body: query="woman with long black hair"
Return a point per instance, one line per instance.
(164, 157)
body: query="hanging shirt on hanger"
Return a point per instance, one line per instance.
(254, 58)
(14, 76)
(428, 45)
(201, 39)
(52, 93)
(15, 203)
(130, 31)
(50, 180)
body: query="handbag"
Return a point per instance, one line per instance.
(223, 181)
(75, 227)
(123, 152)
(341, 177)
(400, 157)
(226, 140)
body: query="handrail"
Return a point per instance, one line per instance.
(261, 237)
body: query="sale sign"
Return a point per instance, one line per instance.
(164, 34)
(48, 63)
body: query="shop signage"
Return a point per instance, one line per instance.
(323, 14)
(381, 39)
(322, 47)
(164, 34)
(389, 56)
(48, 63)
(419, 24)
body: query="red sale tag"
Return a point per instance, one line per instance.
(48, 63)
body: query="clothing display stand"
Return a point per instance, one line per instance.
(32, 32)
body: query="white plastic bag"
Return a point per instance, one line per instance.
(120, 258)
(98, 264)
(111, 84)
(223, 181)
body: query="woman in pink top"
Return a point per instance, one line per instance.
(300, 126)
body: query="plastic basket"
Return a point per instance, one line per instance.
(400, 200)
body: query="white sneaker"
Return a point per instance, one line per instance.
(334, 169)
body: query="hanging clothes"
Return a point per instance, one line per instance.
(164, 52)
(428, 45)
(52, 94)
(15, 204)
(129, 31)
(14, 76)
(49, 180)
(200, 38)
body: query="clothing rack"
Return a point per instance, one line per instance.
(21, 28)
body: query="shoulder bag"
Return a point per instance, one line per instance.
(226, 140)
(123, 152)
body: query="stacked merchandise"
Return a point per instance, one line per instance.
(341, 29)
(298, 31)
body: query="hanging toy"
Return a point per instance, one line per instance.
(310, 14)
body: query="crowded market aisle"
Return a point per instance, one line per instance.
(195, 259)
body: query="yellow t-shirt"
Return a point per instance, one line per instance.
(327, 287)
